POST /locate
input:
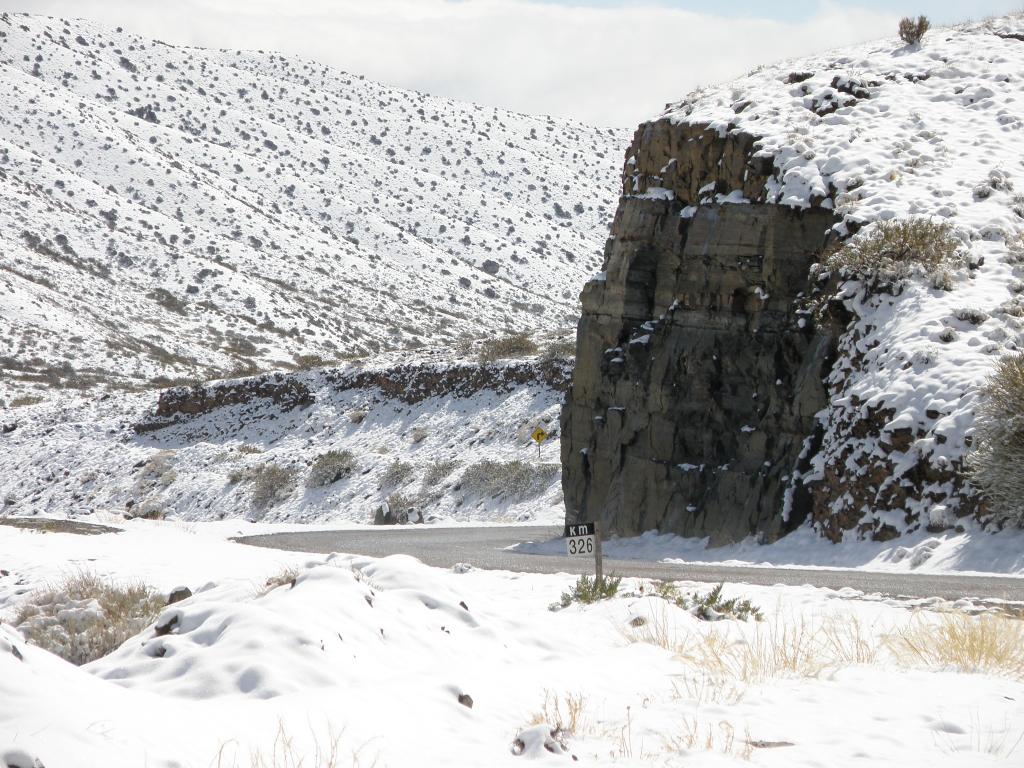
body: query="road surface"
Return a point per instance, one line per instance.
(487, 548)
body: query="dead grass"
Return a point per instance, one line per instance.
(86, 616)
(285, 751)
(566, 714)
(989, 643)
(287, 576)
(702, 736)
(788, 647)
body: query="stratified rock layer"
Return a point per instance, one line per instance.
(698, 374)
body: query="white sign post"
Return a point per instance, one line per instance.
(582, 540)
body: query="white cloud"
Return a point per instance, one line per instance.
(607, 66)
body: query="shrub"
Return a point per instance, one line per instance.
(711, 607)
(514, 479)
(272, 483)
(396, 472)
(588, 590)
(894, 250)
(86, 617)
(439, 471)
(517, 344)
(997, 462)
(560, 349)
(913, 30)
(330, 467)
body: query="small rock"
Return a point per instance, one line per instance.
(16, 758)
(466, 700)
(167, 626)
(178, 594)
(463, 606)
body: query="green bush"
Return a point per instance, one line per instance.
(588, 590)
(892, 251)
(997, 461)
(711, 606)
(330, 467)
(517, 344)
(439, 471)
(85, 617)
(514, 480)
(271, 484)
(397, 472)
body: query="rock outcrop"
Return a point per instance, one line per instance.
(699, 371)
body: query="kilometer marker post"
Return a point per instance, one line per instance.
(582, 539)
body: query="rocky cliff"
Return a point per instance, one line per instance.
(708, 399)
(698, 374)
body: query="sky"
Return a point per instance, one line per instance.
(605, 62)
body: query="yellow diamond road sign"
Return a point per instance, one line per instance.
(539, 435)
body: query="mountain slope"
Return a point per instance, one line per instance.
(172, 213)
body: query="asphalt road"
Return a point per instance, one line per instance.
(487, 548)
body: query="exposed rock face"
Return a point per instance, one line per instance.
(698, 373)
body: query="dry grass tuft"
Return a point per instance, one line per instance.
(567, 715)
(989, 643)
(86, 616)
(287, 752)
(698, 736)
(287, 576)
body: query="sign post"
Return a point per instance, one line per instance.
(583, 539)
(538, 436)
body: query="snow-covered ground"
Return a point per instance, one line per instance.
(372, 655)
(180, 213)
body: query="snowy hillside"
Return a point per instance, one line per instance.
(431, 436)
(892, 131)
(178, 214)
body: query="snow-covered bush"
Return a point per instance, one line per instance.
(86, 617)
(514, 479)
(439, 471)
(396, 472)
(892, 251)
(271, 483)
(517, 344)
(912, 31)
(997, 463)
(330, 467)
